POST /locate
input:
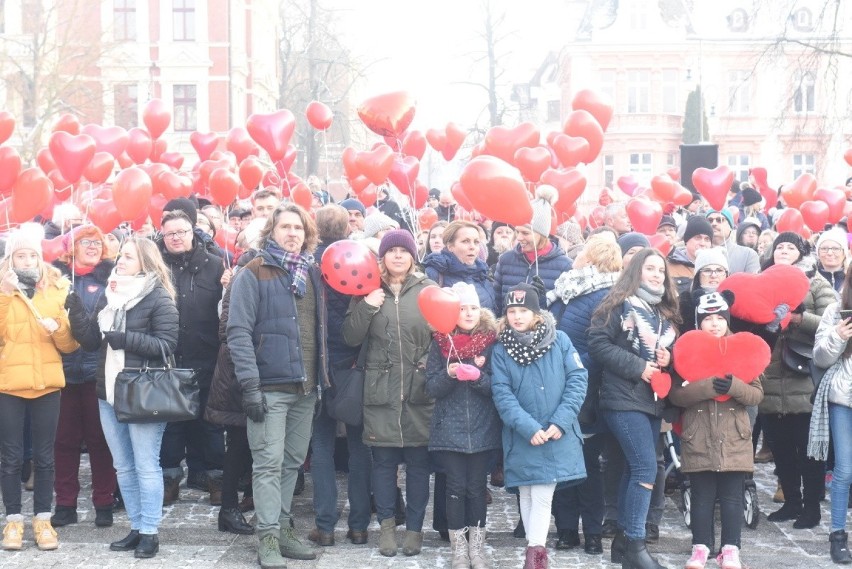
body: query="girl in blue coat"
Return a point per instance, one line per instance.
(538, 384)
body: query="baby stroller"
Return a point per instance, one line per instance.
(751, 508)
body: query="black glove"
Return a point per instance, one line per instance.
(254, 403)
(116, 340)
(76, 310)
(722, 385)
(538, 285)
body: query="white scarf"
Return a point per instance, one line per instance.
(123, 292)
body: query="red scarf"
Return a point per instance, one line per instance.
(83, 269)
(540, 253)
(468, 346)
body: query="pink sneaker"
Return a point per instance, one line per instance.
(729, 558)
(700, 553)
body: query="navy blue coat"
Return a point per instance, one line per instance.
(446, 269)
(548, 391)
(513, 268)
(340, 354)
(464, 419)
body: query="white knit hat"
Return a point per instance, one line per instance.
(466, 293)
(836, 235)
(27, 236)
(377, 221)
(712, 256)
(542, 205)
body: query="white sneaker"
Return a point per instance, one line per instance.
(700, 553)
(729, 558)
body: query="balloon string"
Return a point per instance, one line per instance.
(452, 351)
(325, 157)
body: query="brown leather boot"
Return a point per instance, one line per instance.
(214, 487)
(171, 491)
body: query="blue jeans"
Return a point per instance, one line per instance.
(840, 421)
(324, 477)
(637, 435)
(135, 449)
(417, 470)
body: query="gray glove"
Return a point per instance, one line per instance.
(254, 402)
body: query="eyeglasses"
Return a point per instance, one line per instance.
(90, 243)
(711, 272)
(177, 234)
(715, 219)
(835, 250)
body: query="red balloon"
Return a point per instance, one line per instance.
(436, 138)
(226, 238)
(60, 185)
(569, 182)
(581, 123)
(102, 212)
(503, 142)
(67, 122)
(204, 143)
(532, 162)
(627, 184)
(7, 125)
(319, 115)
(596, 216)
(367, 196)
(172, 159)
(251, 172)
(100, 168)
(131, 192)
(458, 194)
(112, 139)
(427, 217)
(350, 162)
(71, 153)
(836, 200)
(388, 114)
(571, 150)
(155, 210)
(439, 307)
(283, 166)
(454, 138)
(848, 156)
(800, 191)
(349, 267)
(597, 104)
(358, 183)
(10, 168)
(815, 214)
(664, 188)
(157, 117)
(32, 193)
(414, 144)
(644, 215)
(139, 145)
(376, 164)
(171, 185)
(674, 173)
(714, 185)
(223, 185)
(240, 143)
(661, 383)
(403, 174)
(660, 243)
(496, 189)
(790, 220)
(421, 194)
(51, 249)
(158, 147)
(45, 160)
(301, 196)
(272, 131)
(682, 196)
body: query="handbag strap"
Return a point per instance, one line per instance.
(362, 355)
(168, 361)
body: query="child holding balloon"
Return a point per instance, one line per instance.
(538, 384)
(465, 427)
(716, 448)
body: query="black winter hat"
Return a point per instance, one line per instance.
(185, 205)
(523, 295)
(751, 196)
(697, 225)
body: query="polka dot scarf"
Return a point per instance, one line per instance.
(527, 347)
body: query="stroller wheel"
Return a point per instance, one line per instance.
(751, 509)
(686, 505)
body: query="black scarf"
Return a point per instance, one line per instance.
(27, 279)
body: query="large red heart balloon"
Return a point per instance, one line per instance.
(581, 123)
(112, 139)
(503, 141)
(800, 191)
(440, 307)
(815, 214)
(436, 138)
(131, 192)
(171, 185)
(71, 153)
(100, 168)
(597, 104)
(139, 144)
(569, 182)
(10, 168)
(454, 137)
(156, 116)
(836, 201)
(664, 188)
(32, 193)
(272, 131)
(571, 150)
(223, 185)
(627, 184)
(376, 164)
(388, 114)
(349, 267)
(319, 115)
(713, 185)
(644, 215)
(240, 143)
(757, 296)
(414, 144)
(532, 162)
(204, 143)
(496, 190)
(790, 220)
(403, 174)
(7, 125)
(251, 172)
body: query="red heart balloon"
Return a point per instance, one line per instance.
(139, 145)
(240, 143)
(204, 143)
(800, 191)
(660, 243)
(597, 104)
(171, 185)
(51, 249)
(10, 168)
(757, 296)
(436, 138)
(301, 196)
(155, 209)
(156, 116)
(439, 307)
(349, 267)
(532, 162)
(283, 166)
(172, 159)
(7, 125)
(581, 123)
(454, 138)
(674, 173)
(503, 141)
(319, 115)
(376, 164)
(104, 214)
(661, 383)
(682, 196)
(569, 182)
(358, 183)
(815, 214)
(664, 188)
(571, 150)
(627, 185)
(404, 173)
(223, 185)
(112, 139)
(713, 185)
(644, 214)
(131, 192)
(272, 131)
(790, 220)
(71, 153)
(68, 123)
(100, 168)
(388, 114)
(45, 160)
(226, 238)
(414, 144)
(251, 172)
(461, 198)
(206, 168)
(427, 217)
(496, 189)
(836, 201)
(32, 193)
(158, 147)
(848, 156)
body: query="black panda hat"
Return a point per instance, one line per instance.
(707, 303)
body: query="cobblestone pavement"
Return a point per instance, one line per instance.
(189, 538)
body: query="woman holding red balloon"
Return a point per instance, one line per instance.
(397, 409)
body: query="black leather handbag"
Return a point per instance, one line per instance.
(345, 401)
(156, 394)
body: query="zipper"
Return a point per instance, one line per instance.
(302, 352)
(401, 367)
(468, 426)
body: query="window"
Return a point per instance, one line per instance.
(640, 167)
(638, 15)
(183, 20)
(554, 111)
(124, 20)
(670, 104)
(606, 77)
(804, 98)
(803, 163)
(740, 165)
(638, 90)
(738, 91)
(738, 20)
(31, 16)
(609, 170)
(185, 108)
(671, 160)
(126, 101)
(802, 20)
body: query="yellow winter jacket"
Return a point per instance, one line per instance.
(30, 360)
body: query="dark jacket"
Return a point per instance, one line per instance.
(81, 366)
(446, 269)
(513, 268)
(225, 401)
(197, 278)
(340, 354)
(834, 278)
(681, 270)
(263, 325)
(465, 419)
(397, 409)
(391, 209)
(150, 325)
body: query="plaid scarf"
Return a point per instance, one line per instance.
(467, 346)
(296, 265)
(818, 436)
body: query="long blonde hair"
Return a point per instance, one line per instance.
(49, 275)
(152, 262)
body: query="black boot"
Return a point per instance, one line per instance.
(839, 550)
(103, 517)
(149, 545)
(232, 520)
(567, 539)
(593, 545)
(619, 544)
(300, 483)
(809, 517)
(519, 532)
(63, 516)
(789, 511)
(636, 556)
(129, 543)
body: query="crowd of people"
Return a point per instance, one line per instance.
(545, 386)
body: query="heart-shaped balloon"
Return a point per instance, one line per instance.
(800, 191)
(131, 192)
(359, 183)
(349, 267)
(156, 116)
(661, 383)
(112, 139)
(103, 214)
(664, 188)
(7, 125)
(414, 144)
(503, 141)
(847, 155)
(283, 166)
(436, 138)
(682, 196)
(790, 220)
(172, 159)
(440, 307)
(427, 217)
(815, 214)
(454, 138)
(461, 198)
(627, 184)
(32, 193)
(45, 161)
(403, 173)
(251, 172)
(376, 164)
(674, 173)
(206, 168)
(100, 168)
(581, 123)
(644, 215)
(10, 168)
(139, 145)
(661, 243)
(757, 296)
(388, 114)
(597, 104)
(319, 115)
(569, 182)
(836, 201)
(349, 157)
(532, 162)
(496, 190)
(171, 185)
(239, 142)
(71, 153)
(301, 196)
(204, 143)
(368, 195)
(67, 122)
(223, 185)
(272, 131)
(571, 150)
(51, 249)
(713, 185)
(467, 372)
